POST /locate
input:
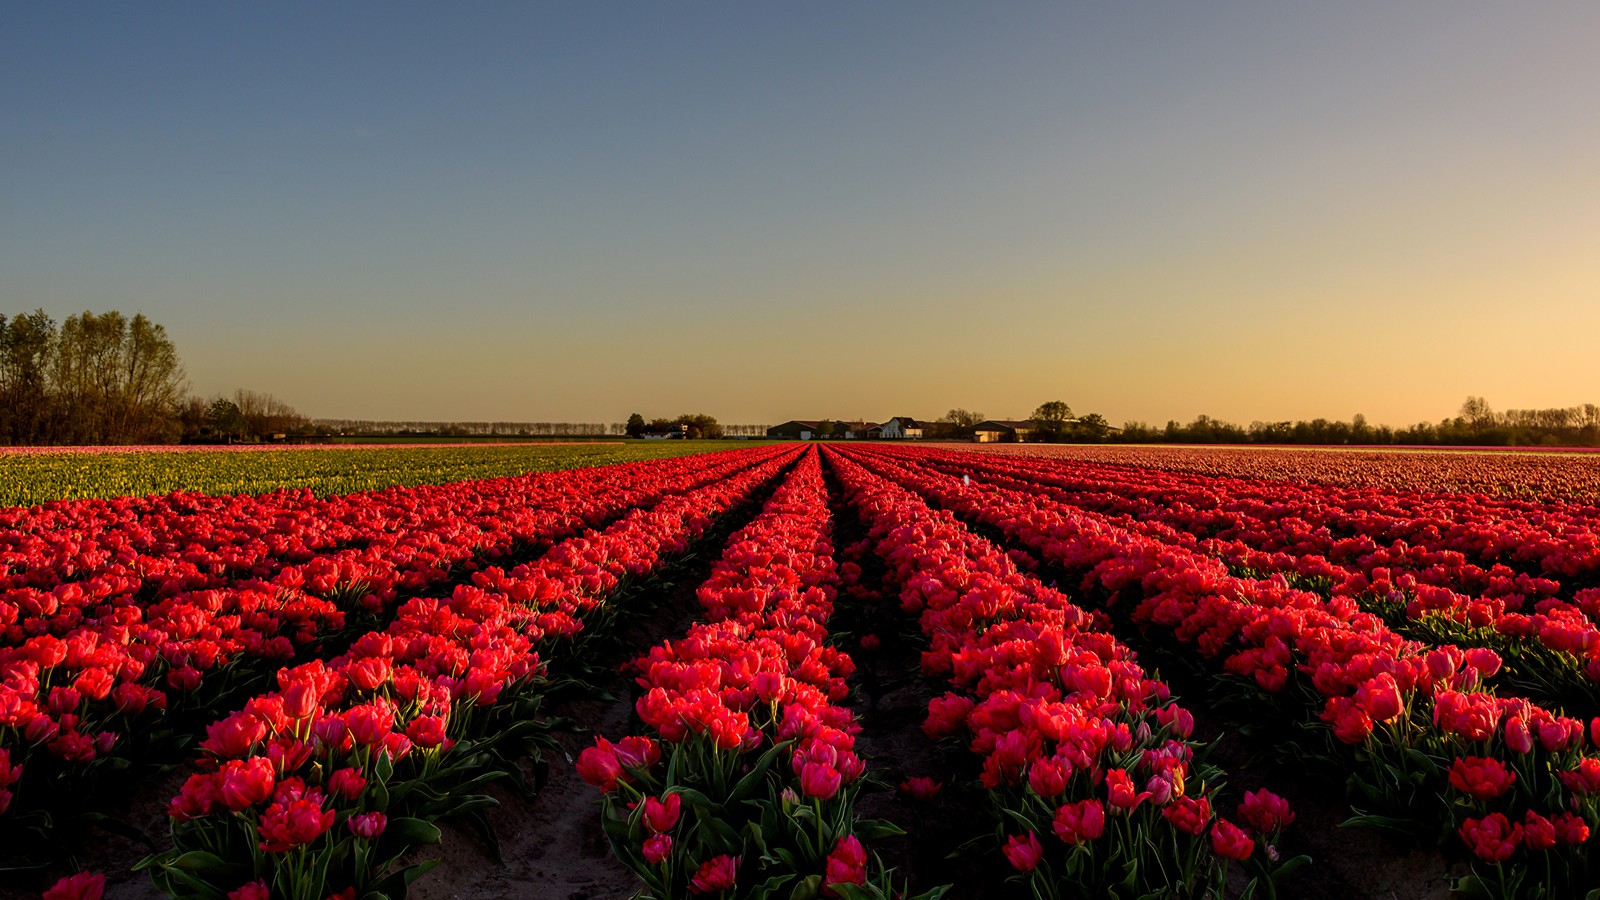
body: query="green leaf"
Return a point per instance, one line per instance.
(1382, 823)
(409, 832)
(877, 829)
(807, 889)
(695, 798)
(757, 774)
(207, 865)
(394, 886)
(1289, 866)
(480, 824)
(770, 887)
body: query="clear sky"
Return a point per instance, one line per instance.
(763, 211)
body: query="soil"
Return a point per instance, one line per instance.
(551, 845)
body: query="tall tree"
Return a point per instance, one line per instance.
(956, 422)
(1050, 420)
(26, 348)
(116, 380)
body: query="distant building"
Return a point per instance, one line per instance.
(795, 430)
(675, 433)
(1002, 431)
(809, 429)
(901, 428)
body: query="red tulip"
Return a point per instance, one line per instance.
(1024, 853)
(661, 815)
(368, 826)
(82, 886)
(1230, 842)
(247, 782)
(921, 787)
(1481, 778)
(819, 780)
(847, 864)
(598, 766)
(1121, 791)
(657, 848)
(1265, 811)
(1078, 822)
(1538, 833)
(286, 825)
(716, 874)
(255, 890)
(1492, 838)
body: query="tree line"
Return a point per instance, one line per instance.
(105, 378)
(1053, 422)
(1476, 425)
(694, 426)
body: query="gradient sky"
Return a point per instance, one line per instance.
(767, 211)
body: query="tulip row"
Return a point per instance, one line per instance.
(320, 786)
(755, 794)
(1421, 579)
(1418, 722)
(1528, 474)
(1519, 550)
(1068, 726)
(71, 563)
(42, 476)
(102, 681)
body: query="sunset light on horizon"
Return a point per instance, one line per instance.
(573, 212)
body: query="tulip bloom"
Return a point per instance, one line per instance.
(82, 886)
(847, 864)
(1492, 838)
(819, 780)
(1585, 779)
(1481, 778)
(716, 874)
(287, 825)
(1024, 852)
(657, 849)
(1538, 833)
(598, 766)
(1265, 811)
(1379, 697)
(368, 826)
(255, 890)
(1048, 778)
(661, 815)
(1230, 842)
(1078, 822)
(247, 782)
(921, 787)
(1120, 788)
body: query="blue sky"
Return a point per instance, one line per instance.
(763, 211)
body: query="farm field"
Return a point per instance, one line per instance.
(793, 670)
(31, 476)
(1531, 473)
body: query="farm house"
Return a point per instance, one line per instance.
(1002, 431)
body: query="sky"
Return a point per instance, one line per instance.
(574, 211)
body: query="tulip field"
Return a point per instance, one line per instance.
(31, 475)
(1127, 672)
